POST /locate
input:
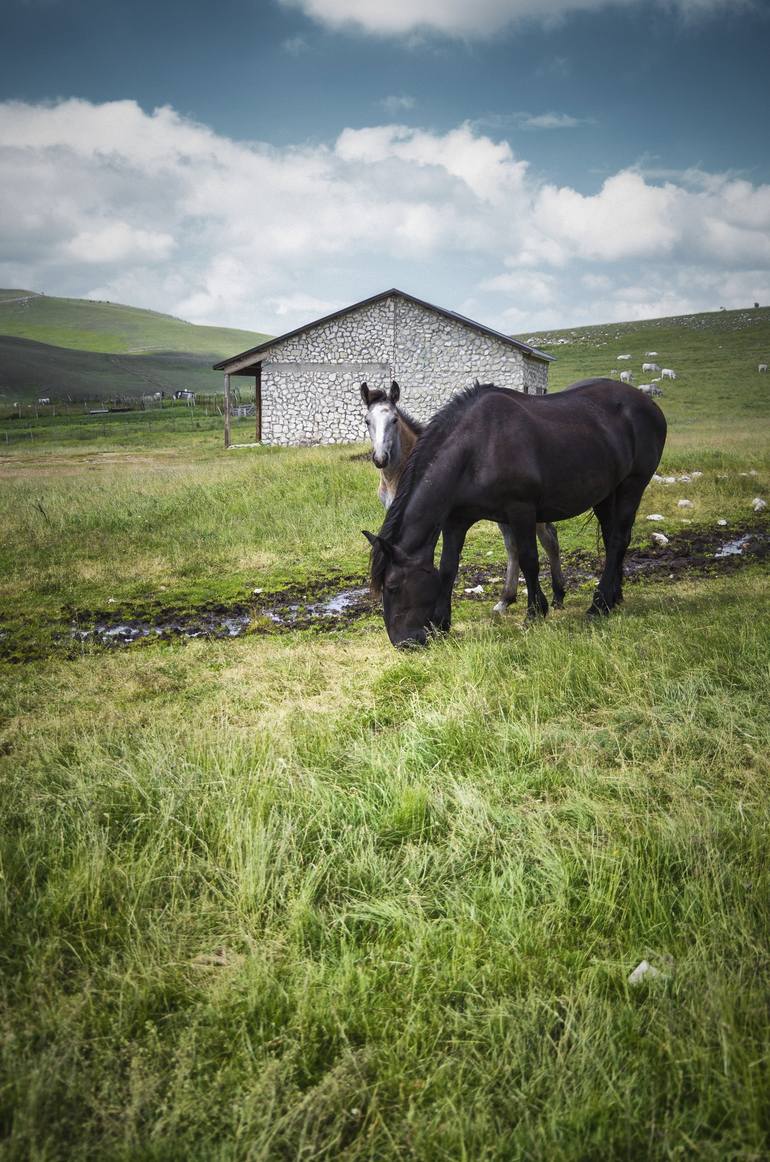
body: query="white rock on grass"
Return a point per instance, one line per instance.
(643, 971)
(684, 504)
(656, 516)
(758, 504)
(475, 589)
(696, 475)
(684, 479)
(722, 522)
(660, 538)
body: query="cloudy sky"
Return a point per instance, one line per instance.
(257, 163)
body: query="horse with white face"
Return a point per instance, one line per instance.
(394, 433)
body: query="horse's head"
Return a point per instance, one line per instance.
(410, 590)
(382, 424)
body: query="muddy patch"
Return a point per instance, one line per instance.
(331, 604)
(126, 631)
(294, 608)
(689, 553)
(346, 605)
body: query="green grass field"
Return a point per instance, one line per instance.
(297, 896)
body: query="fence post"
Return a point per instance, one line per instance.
(227, 411)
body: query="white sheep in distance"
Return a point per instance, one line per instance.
(667, 373)
(622, 356)
(650, 367)
(626, 376)
(649, 389)
(762, 367)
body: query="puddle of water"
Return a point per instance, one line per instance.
(339, 603)
(734, 548)
(206, 625)
(346, 603)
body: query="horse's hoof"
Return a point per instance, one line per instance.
(598, 611)
(501, 607)
(557, 603)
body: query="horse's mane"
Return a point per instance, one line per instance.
(432, 436)
(376, 396)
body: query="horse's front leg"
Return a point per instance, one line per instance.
(452, 540)
(508, 595)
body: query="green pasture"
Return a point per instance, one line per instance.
(297, 896)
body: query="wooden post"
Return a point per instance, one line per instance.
(227, 411)
(258, 403)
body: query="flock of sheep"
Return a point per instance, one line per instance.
(650, 388)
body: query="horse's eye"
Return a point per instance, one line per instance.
(393, 587)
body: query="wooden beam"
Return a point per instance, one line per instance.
(227, 411)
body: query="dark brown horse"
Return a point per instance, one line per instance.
(494, 454)
(394, 433)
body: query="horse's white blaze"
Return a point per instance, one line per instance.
(382, 431)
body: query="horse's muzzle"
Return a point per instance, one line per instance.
(381, 461)
(416, 642)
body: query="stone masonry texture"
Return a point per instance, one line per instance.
(310, 382)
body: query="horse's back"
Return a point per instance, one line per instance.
(564, 450)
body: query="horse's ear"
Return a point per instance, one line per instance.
(395, 392)
(365, 394)
(392, 552)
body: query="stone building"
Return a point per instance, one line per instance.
(307, 381)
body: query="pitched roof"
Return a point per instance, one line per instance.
(258, 353)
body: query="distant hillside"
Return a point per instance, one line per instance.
(29, 370)
(715, 356)
(83, 325)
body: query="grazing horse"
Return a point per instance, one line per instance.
(494, 454)
(394, 433)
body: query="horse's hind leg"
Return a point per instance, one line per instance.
(508, 595)
(523, 529)
(616, 515)
(549, 539)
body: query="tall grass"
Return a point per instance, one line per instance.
(313, 900)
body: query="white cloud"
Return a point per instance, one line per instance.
(550, 121)
(295, 45)
(458, 18)
(155, 210)
(394, 104)
(117, 242)
(507, 121)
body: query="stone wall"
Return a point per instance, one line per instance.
(310, 382)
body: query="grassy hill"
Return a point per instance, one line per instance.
(95, 326)
(84, 349)
(29, 370)
(715, 356)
